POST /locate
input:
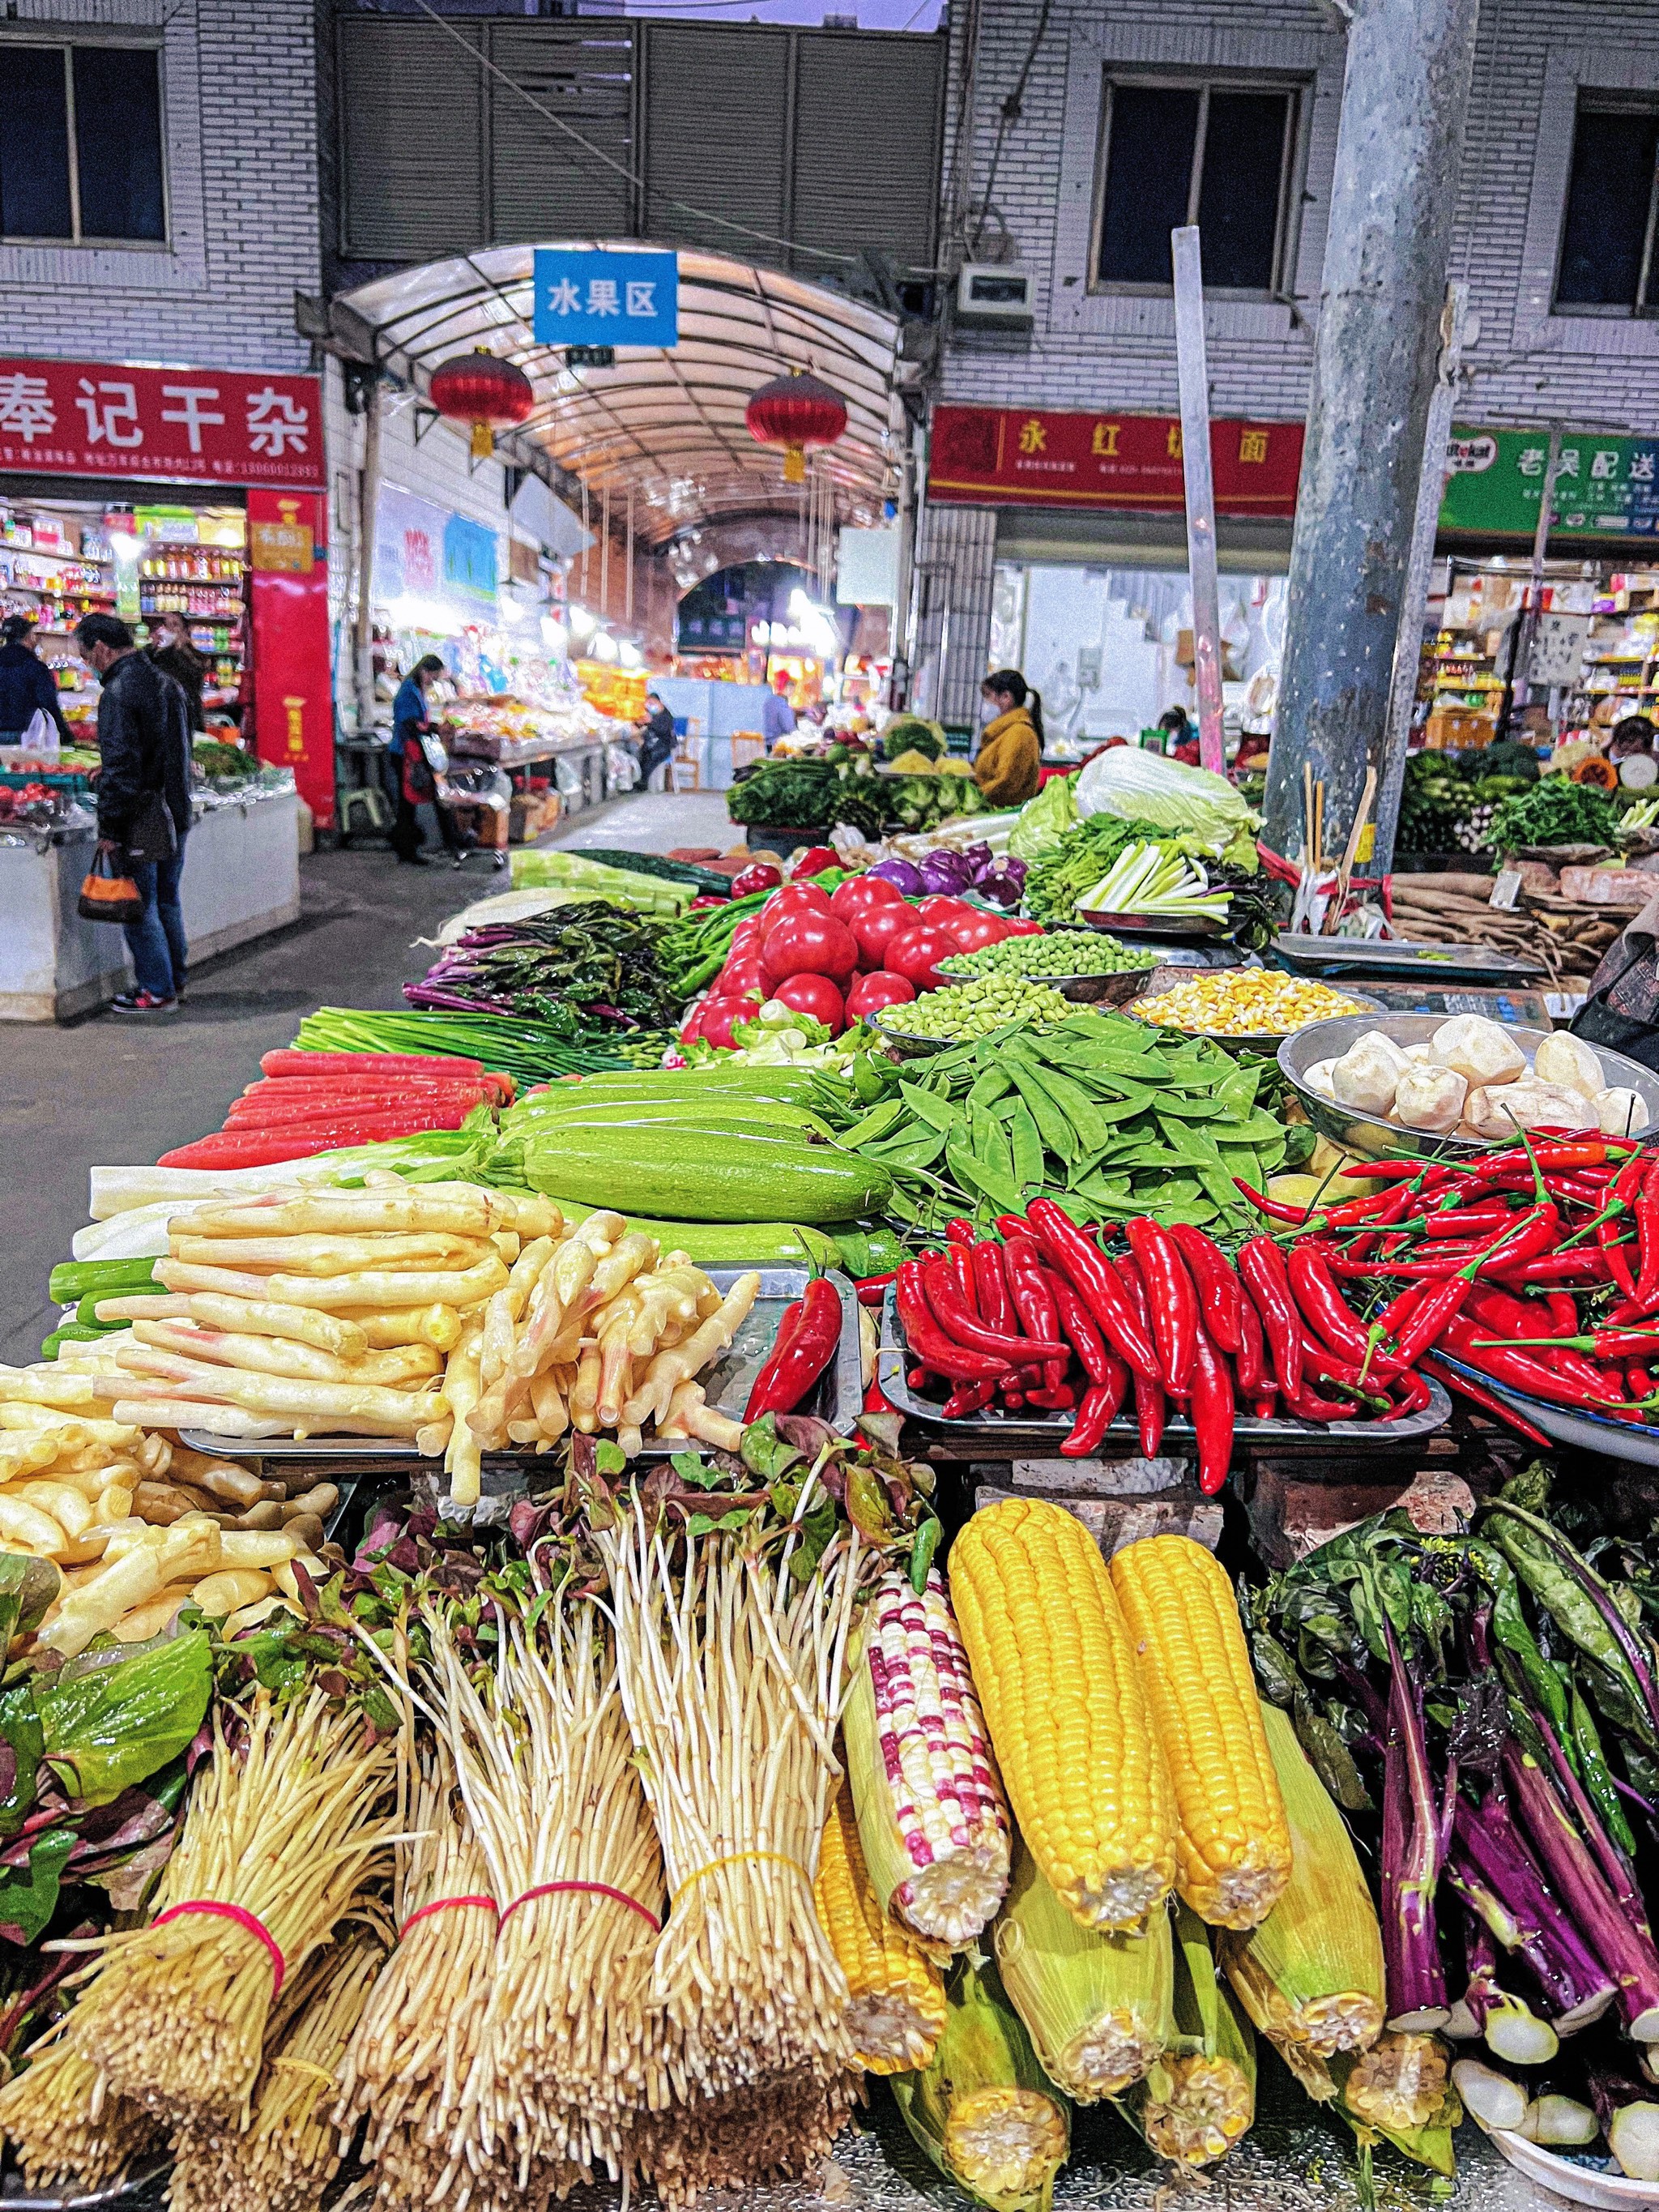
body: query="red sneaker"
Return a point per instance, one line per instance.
(143, 1002)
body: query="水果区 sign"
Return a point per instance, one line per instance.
(593, 296)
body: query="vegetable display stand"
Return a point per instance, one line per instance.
(1041, 1435)
(838, 1398)
(1637, 1445)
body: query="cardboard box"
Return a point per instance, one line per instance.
(1455, 729)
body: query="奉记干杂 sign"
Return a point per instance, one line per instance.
(199, 425)
(1606, 485)
(1044, 456)
(593, 296)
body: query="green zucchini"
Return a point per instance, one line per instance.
(109, 1278)
(731, 1243)
(707, 1175)
(792, 1123)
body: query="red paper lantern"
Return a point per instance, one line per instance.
(488, 393)
(795, 413)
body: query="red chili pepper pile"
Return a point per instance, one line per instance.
(1537, 1265)
(316, 1102)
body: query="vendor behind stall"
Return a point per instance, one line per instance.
(28, 686)
(1008, 767)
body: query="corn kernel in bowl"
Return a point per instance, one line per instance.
(1243, 1002)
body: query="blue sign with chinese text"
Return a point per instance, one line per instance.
(470, 562)
(586, 295)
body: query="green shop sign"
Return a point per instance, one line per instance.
(1606, 486)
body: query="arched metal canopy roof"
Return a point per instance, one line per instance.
(668, 424)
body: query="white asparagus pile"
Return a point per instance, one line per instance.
(306, 1313)
(598, 1329)
(456, 1319)
(284, 1826)
(409, 2064)
(136, 1525)
(67, 2132)
(733, 1675)
(287, 2151)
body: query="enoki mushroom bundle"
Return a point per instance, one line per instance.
(733, 1672)
(416, 2045)
(545, 1761)
(66, 2129)
(280, 1830)
(290, 2151)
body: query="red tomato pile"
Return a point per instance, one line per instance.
(841, 956)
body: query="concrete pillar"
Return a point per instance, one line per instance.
(1405, 101)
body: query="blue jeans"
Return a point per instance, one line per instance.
(156, 940)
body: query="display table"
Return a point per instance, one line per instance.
(241, 880)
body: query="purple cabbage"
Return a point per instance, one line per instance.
(946, 872)
(902, 873)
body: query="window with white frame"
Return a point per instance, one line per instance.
(80, 144)
(1217, 151)
(1605, 262)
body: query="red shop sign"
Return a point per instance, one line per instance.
(1036, 456)
(213, 426)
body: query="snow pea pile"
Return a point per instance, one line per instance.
(1111, 1118)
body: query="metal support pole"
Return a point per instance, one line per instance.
(605, 548)
(1455, 334)
(368, 501)
(1524, 628)
(627, 581)
(1193, 367)
(1405, 98)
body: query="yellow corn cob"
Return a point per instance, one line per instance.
(983, 2110)
(1232, 1846)
(932, 1817)
(895, 2008)
(1310, 1976)
(1096, 2006)
(1400, 2085)
(1055, 1672)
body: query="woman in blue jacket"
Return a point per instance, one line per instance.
(26, 684)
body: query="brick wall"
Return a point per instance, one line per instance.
(1090, 350)
(239, 94)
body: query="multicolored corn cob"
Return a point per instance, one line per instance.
(932, 1817)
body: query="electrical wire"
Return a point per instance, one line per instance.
(1012, 107)
(684, 207)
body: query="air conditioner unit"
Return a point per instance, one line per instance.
(995, 295)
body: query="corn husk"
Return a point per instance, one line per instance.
(984, 2111)
(1098, 2007)
(1200, 2098)
(1311, 1975)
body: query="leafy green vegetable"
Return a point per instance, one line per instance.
(112, 1725)
(1555, 811)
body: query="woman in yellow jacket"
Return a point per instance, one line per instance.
(1008, 769)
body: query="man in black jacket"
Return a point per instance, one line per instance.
(144, 737)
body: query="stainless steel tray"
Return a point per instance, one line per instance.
(1570, 1425)
(1170, 929)
(892, 1364)
(1393, 956)
(838, 1398)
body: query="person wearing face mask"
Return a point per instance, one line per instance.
(1008, 767)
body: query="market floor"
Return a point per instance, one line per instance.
(108, 1090)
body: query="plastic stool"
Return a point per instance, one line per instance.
(368, 804)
